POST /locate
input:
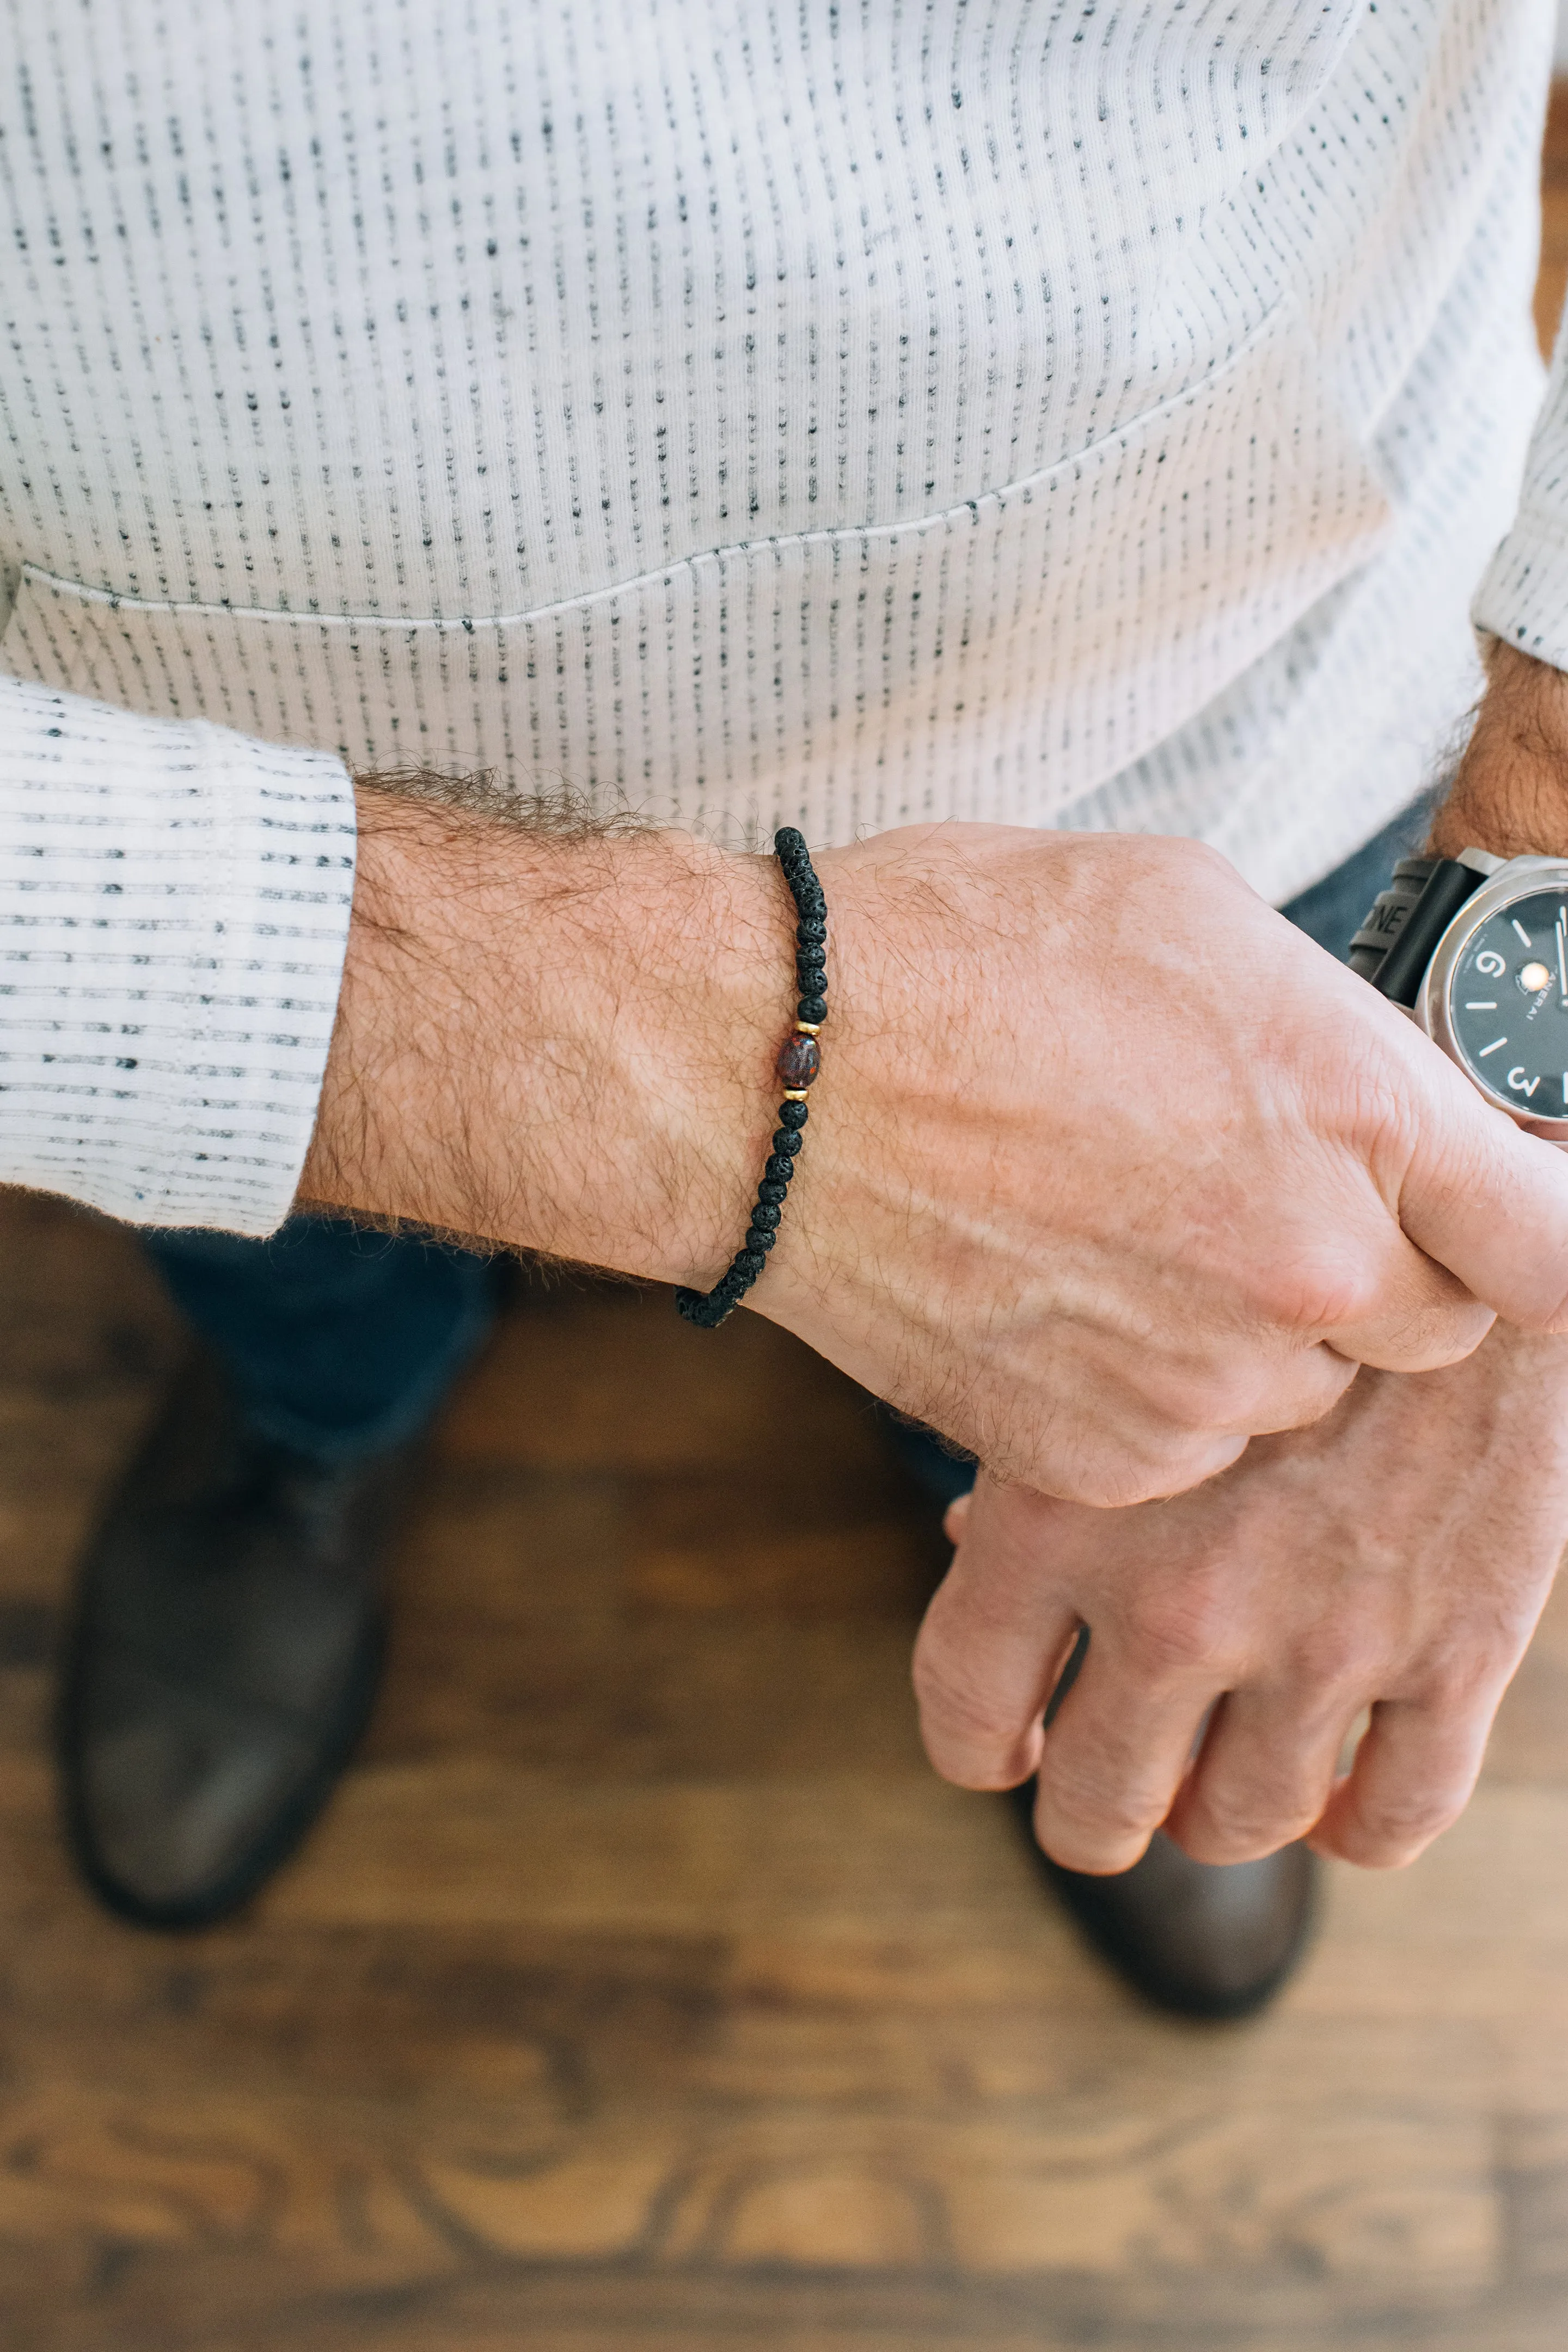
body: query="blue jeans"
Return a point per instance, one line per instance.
(341, 1342)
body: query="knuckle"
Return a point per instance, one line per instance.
(1247, 1824)
(1143, 1475)
(1454, 1686)
(1378, 1106)
(1337, 1657)
(946, 1695)
(1314, 1290)
(1179, 1634)
(1169, 1462)
(1215, 1396)
(1399, 1825)
(1066, 1461)
(1106, 1486)
(1094, 1810)
(969, 1739)
(1215, 1387)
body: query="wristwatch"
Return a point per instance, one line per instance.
(1474, 948)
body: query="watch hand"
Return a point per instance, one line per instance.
(1562, 965)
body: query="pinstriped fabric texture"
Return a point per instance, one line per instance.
(830, 412)
(174, 902)
(1524, 594)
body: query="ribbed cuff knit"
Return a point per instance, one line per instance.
(174, 903)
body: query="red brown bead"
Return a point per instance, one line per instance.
(799, 1061)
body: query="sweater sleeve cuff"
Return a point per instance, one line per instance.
(174, 904)
(1523, 595)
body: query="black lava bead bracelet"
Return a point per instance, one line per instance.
(799, 1061)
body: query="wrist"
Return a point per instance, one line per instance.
(562, 1043)
(1511, 795)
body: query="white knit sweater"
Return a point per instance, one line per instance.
(837, 411)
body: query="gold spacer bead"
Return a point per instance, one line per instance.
(795, 1093)
(807, 1028)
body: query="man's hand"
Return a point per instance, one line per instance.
(1126, 1170)
(1395, 1558)
(1108, 1170)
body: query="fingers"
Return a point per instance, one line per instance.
(1192, 1424)
(1147, 1470)
(1412, 1777)
(994, 1642)
(1488, 1201)
(1424, 1316)
(1301, 1391)
(993, 1649)
(1257, 1397)
(1265, 1772)
(1112, 1447)
(1113, 1759)
(1311, 1580)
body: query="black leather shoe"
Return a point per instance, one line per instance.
(1193, 1938)
(225, 1654)
(1196, 1937)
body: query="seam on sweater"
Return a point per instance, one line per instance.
(831, 535)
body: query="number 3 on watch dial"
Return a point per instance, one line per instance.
(1506, 991)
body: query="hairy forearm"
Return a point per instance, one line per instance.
(559, 1042)
(1510, 794)
(1041, 1203)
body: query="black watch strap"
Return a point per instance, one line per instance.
(1395, 944)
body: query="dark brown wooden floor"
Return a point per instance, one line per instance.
(645, 1994)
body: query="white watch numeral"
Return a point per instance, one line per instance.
(1490, 964)
(1516, 1079)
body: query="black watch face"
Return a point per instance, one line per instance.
(1508, 1002)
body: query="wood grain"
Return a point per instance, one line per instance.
(643, 1992)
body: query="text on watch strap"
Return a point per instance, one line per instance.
(1395, 944)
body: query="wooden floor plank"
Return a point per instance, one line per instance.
(645, 1994)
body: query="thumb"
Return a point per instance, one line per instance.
(1488, 1200)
